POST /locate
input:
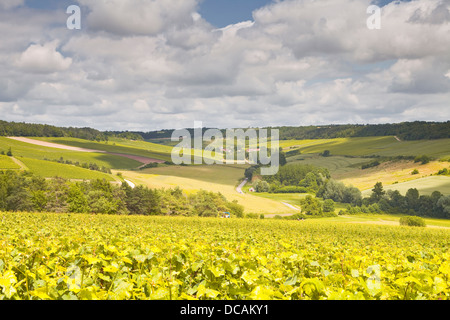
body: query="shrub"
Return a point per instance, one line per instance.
(424, 159)
(371, 164)
(415, 171)
(412, 222)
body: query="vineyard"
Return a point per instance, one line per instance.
(63, 256)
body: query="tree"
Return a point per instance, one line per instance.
(9, 153)
(326, 153)
(377, 192)
(328, 206)
(338, 192)
(444, 205)
(262, 186)
(311, 206)
(412, 199)
(310, 182)
(282, 155)
(77, 200)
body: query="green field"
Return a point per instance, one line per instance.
(335, 164)
(426, 186)
(138, 148)
(221, 174)
(50, 169)
(97, 257)
(210, 178)
(369, 146)
(8, 163)
(28, 150)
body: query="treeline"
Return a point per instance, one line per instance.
(293, 178)
(412, 203)
(406, 131)
(21, 129)
(417, 130)
(26, 192)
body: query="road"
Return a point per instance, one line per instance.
(131, 184)
(291, 206)
(239, 188)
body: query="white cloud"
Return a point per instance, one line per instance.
(10, 4)
(139, 17)
(43, 59)
(159, 64)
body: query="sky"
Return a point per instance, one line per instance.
(164, 64)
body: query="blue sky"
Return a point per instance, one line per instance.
(219, 13)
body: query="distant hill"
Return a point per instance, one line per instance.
(418, 130)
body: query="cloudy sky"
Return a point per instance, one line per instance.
(155, 64)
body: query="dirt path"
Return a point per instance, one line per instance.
(291, 206)
(19, 163)
(131, 184)
(239, 188)
(140, 159)
(53, 145)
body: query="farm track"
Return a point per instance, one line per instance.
(143, 160)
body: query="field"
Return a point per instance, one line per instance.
(22, 149)
(426, 186)
(8, 163)
(222, 174)
(390, 173)
(52, 169)
(251, 203)
(337, 165)
(369, 146)
(138, 148)
(85, 257)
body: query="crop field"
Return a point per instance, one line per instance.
(51, 169)
(227, 187)
(7, 163)
(85, 257)
(222, 174)
(368, 146)
(138, 148)
(392, 172)
(28, 150)
(335, 164)
(426, 186)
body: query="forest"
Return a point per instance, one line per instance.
(27, 192)
(418, 130)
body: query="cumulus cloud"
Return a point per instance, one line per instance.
(43, 59)
(146, 65)
(139, 17)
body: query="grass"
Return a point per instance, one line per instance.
(390, 173)
(227, 186)
(50, 169)
(370, 146)
(384, 219)
(221, 174)
(27, 150)
(426, 185)
(335, 164)
(138, 148)
(8, 163)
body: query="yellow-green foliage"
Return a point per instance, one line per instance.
(51, 169)
(60, 256)
(7, 163)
